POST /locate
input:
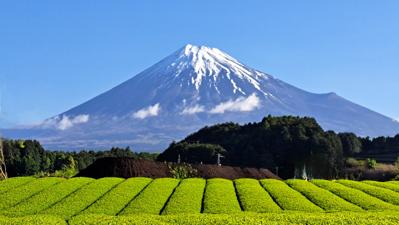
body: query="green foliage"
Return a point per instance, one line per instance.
(84, 197)
(47, 197)
(187, 197)
(379, 192)
(153, 198)
(355, 196)
(11, 183)
(220, 197)
(289, 218)
(353, 163)
(387, 185)
(321, 197)
(141, 200)
(36, 220)
(115, 200)
(288, 198)
(253, 197)
(28, 157)
(182, 171)
(20, 193)
(288, 142)
(350, 143)
(191, 153)
(371, 163)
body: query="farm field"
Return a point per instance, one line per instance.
(196, 201)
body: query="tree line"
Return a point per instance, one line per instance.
(28, 157)
(293, 146)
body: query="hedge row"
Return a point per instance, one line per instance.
(83, 198)
(117, 199)
(153, 198)
(220, 197)
(288, 198)
(187, 197)
(289, 218)
(23, 192)
(388, 185)
(14, 182)
(253, 197)
(379, 192)
(36, 220)
(355, 196)
(48, 197)
(321, 197)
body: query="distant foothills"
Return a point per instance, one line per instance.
(289, 146)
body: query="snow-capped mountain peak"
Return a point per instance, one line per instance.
(211, 66)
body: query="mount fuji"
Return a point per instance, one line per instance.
(193, 87)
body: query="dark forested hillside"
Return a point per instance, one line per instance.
(295, 146)
(292, 144)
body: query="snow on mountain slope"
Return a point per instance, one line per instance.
(193, 87)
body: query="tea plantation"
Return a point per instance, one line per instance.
(27, 200)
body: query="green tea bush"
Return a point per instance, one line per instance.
(321, 197)
(387, 185)
(117, 199)
(288, 198)
(82, 198)
(355, 196)
(36, 220)
(220, 197)
(379, 192)
(253, 197)
(47, 197)
(14, 182)
(187, 197)
(23, 192)
(153, 198)
(287, 218)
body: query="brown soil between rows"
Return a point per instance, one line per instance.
(129, 167)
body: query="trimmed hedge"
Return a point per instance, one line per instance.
(288, 218)
(18, 194)
(83, 198)
(355, 196)
(47, 197)
(387, 185)
(379, 192)
(153, 198)
(117, 199)
(253, 197)
(14, 182)
(36, 220)
(187, 197)
(288, 198)
(321, 197)
(220, 197)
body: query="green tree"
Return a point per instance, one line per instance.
(350, 143)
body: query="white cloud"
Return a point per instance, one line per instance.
(241, 104)
(65, 122)
(193, 110)
(152, 110)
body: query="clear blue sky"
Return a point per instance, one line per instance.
(57, 54)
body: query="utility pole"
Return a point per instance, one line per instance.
(3, 169)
